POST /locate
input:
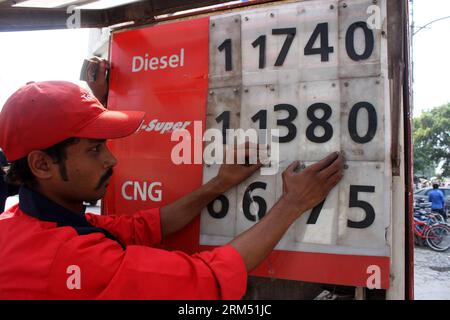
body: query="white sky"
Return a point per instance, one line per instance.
(431, 55)
(58, 55)
(39, 56)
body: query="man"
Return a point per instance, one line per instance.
(54, 134)
(437, 199)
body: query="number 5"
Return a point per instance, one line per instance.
(367, 207)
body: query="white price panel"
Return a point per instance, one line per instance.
(223, 111)
(218, 220)
(362, 119)
(318, 36)
(319, 225)
(316, 71)
(258, 111)
(255, 197)
(360, 41)
(363, 206)
(270, 46)
(320, 115)
(225, 48)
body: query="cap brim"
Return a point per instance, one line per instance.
(112, 125)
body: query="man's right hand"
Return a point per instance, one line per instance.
(307, 188)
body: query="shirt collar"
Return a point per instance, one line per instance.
(40, 207)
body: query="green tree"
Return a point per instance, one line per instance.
(431, 137)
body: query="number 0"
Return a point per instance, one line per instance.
(352, 120)
(350, 41)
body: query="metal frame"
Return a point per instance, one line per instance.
(142, 12)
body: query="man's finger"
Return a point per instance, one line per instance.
(292, 167)
(91, 71)
(335, 166)
(322, 164)
(253, 168)
(334, 179)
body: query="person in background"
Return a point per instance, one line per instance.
(437, 199)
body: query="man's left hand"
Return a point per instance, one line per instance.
(97, 78)
(234, 173)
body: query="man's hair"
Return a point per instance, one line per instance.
(20, 173)
(435, 186)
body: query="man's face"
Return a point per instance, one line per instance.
(88, 165)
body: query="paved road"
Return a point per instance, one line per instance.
(431, 274)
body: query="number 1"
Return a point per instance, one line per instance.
(226, 45)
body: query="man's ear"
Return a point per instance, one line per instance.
(41, 165)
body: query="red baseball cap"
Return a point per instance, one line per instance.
(42, 114)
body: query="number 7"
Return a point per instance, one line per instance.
(290, 35)
(315, 212)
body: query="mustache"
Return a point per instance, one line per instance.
(105, 177)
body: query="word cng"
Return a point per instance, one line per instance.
(146, 63)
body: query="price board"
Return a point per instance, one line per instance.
(316, 71)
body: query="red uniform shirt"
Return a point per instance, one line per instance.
(44, 256)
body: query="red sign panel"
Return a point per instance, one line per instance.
(164, 73)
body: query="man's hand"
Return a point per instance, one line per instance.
(233, 174)
(97, 78)
(178, 214)
(302, 191)
(307, 188)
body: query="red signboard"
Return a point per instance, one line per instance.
(163, 72)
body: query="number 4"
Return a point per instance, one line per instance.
(324, 50)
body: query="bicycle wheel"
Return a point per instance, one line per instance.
(438, 237)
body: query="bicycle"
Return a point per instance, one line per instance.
(438, 237)
(424, 222)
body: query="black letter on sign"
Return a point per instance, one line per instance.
(290, 34)
(225, 204)
(324, 50)
(225, 117)
(292, 129)
(372, 126)
(227, 46)
(315, 213)
(322, 122)
(261, 116)
(261, 42)
(367, 207)
(248, 199)
(350, 41)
